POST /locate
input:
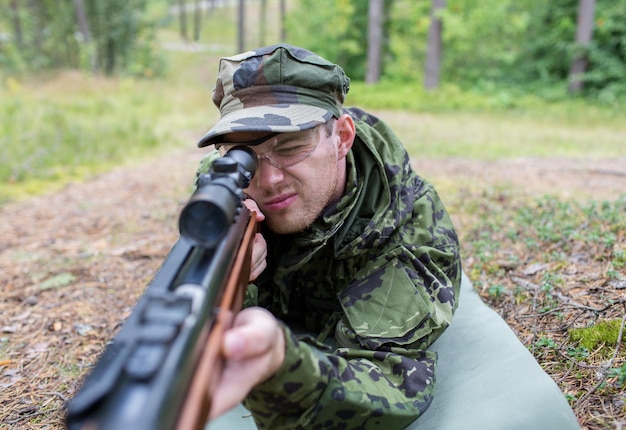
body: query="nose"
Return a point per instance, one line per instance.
(267, 175)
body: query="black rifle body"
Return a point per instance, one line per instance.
(141, 380)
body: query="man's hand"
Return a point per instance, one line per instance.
(259, 248)
(253, 349)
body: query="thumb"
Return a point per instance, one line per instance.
(254, 333)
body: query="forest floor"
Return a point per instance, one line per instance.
(73, 263)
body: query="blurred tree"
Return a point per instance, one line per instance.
(106, 36)
(262, 23)
(241, 25)
(512, 43)
(374, 40)
(81, 18)
(584, 32)
(197, 20)
(435, 46)
(182, 20)
(116, 25)
(340, 29)
(547, 53)
(14, 13)
(283, 14)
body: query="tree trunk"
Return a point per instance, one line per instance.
(374, 40)
(435, 46)
(81, 17)
(197, 20)
(584, 33)
(182, 19)
(283, 14)
(263, 23)
(241, 22)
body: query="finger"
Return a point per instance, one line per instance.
(253, 207)
(258, 334)
(259, 257)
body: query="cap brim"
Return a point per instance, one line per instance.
(272, 119)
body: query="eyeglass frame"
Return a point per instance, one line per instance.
(268, 158)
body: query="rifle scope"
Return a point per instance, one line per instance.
(212, 208)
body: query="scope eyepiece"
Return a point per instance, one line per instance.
(212, 208)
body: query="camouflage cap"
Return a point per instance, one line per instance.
(279, 88)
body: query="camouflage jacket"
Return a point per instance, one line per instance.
(376, 278)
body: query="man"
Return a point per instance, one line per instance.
(356, 268)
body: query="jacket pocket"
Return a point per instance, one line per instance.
(386, 305)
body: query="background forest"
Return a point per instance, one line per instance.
(514, 109)
(521, 45)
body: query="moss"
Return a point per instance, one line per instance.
(603, 333)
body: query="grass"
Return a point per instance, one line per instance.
(469, 124)
(71, 125)
(68, 126)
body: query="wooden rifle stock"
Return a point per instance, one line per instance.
(197, 405)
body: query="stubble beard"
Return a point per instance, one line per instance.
(306, 211)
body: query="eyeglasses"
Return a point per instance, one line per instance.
(286, 150)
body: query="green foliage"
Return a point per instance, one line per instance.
(340, 29)
(578, 353)
(502, 48)
(408, 23)
(46, 36)
(545, 54)
(619, 373)
(42, 35)
(496, 290)
(607, 56)
(546, 343)
(482, 43)
(546, 45)
(115, 26)
(335, 18)
(506, 48)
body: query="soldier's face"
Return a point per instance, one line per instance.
(292, 196)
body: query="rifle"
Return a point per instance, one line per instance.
(159, 370)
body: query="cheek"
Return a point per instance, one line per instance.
(322, 176)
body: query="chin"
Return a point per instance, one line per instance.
(285, 226)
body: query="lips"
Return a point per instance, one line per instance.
(279, 202)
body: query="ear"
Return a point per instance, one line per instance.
(345, 130)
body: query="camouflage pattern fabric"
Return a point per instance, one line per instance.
(279, 88)
(377, 275)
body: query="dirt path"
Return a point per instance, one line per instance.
(72, 264)
(568, 178)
